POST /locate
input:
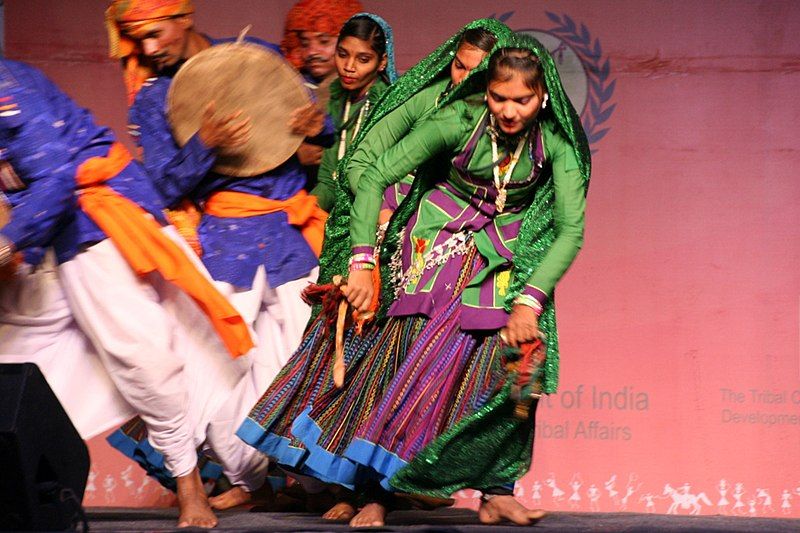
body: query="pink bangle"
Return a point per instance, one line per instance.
(363, 258)
(529, 301)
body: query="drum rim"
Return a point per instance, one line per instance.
(292, 74)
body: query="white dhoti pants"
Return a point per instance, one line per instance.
(278, 316)
(37, 326)
(165, 358)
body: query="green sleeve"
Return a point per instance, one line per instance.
(445, 130)
(325, 190)
(389, 130)
(568, 213)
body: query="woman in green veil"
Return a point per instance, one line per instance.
(471, 259)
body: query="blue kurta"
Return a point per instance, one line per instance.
(233, 248)
(44, 137)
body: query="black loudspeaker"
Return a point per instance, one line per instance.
(44, 463)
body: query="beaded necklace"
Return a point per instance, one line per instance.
(500, 182)
(343, 135)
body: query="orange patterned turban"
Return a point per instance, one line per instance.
(123, 16)
(324, 16)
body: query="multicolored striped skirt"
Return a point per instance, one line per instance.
(309, 370)
(407, 381)
(446, 376)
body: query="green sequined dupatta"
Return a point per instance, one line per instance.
(489, 449)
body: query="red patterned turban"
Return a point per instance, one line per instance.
(323, 16)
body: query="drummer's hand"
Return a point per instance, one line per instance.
(384, 216)
(7, 251)
(522, 327)
(307, 121)
(309, 155)
(359, 289)
(225, 131)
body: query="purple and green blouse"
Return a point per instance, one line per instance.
(461, 206)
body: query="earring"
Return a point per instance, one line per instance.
(545, 99)
(485, 97)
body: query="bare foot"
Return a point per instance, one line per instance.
(499, 508)
(371, 515)
(230, 498)
(193, 504)
(341, 512)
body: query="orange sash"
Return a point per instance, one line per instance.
(141, 242)
(302, 210)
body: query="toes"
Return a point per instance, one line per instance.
(205, 524)
(369, 517)
(501, 508)
(360, 521)
(521, 519)
(536, 514)
(340, 511)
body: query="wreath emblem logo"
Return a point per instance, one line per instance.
(585, 71)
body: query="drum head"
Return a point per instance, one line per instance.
(246, 77)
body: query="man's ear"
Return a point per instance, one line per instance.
(186, 22)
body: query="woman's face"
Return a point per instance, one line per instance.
(513, 104)
(467, 58)
(357, 64)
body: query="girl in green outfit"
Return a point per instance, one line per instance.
(365, 71)
(477, 254)
(364, 58)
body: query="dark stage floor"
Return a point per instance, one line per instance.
(442, 520)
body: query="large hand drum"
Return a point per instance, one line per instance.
(246, 77)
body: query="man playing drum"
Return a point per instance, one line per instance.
(128, 277)
(259, 259)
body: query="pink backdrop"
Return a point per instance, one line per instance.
(680, 319)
